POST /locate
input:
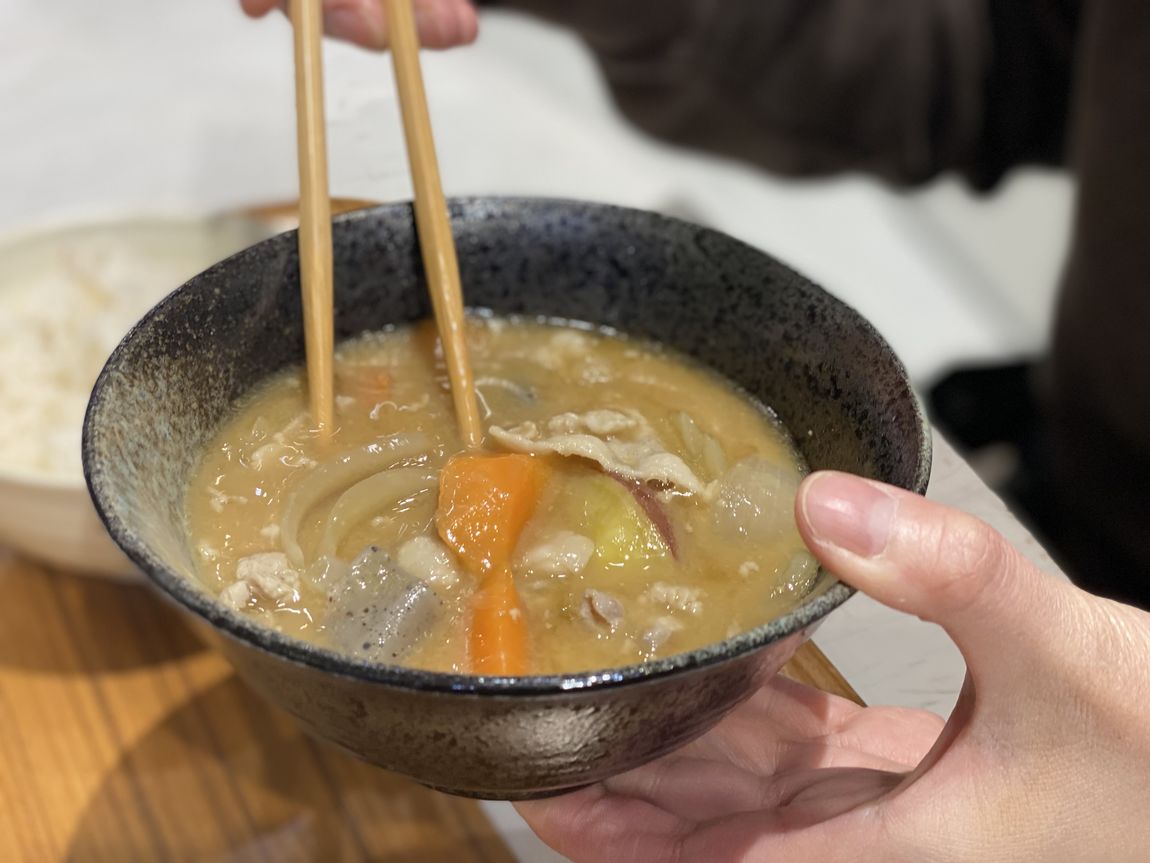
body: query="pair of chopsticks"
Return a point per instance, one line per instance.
(435, 239)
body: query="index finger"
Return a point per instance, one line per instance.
(258, 8)
(441, 23)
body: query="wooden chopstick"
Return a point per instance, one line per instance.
(810, 665)
(435, 239)
(315, 254)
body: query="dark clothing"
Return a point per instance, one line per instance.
(906, 89)
(900, 88)
(1099, 381)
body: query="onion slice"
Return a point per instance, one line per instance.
(347, 469)
(367, 497)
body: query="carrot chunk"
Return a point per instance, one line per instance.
(484, 504)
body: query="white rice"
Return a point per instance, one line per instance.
(63, 307)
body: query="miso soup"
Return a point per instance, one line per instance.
(628, 504)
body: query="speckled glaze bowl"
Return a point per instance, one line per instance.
(831, 378)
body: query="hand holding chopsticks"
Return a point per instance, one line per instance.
(436, 241)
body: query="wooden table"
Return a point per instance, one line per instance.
(123, 737)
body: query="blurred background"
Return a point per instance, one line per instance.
(129, 106)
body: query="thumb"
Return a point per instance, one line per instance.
(926, 559)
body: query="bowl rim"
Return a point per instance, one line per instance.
(828, 594)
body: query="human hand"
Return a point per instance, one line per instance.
(441, 23)
(1045, 758)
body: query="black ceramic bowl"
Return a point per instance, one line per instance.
(834, 382)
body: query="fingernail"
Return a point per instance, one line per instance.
(848, 512)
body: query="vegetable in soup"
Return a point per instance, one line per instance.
(629, 504)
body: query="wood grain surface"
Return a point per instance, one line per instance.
(123, 738)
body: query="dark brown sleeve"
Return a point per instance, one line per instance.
(901, 88)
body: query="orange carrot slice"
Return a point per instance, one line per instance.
(484, 504)
(497, 642)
